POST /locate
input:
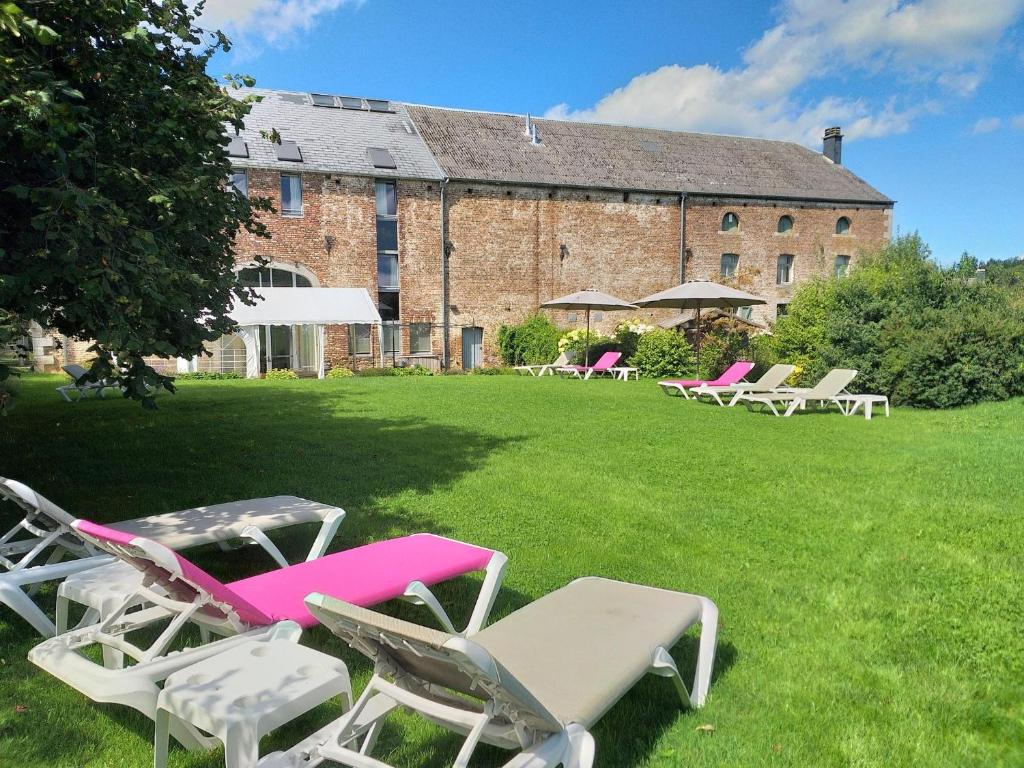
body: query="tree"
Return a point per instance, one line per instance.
(116, 223)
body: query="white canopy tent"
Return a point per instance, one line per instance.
(302, 306)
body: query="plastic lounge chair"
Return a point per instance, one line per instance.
(605, 364)
(180, 592)
(827, 391)
(562, 360)
(771, 380)
(734, 374)
(43, 545)
(79, 386)
(535, 681)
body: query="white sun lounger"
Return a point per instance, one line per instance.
(769, 381)
(43, 546)
(828, 391)
(80, 387)
(541, 370)
(176, 593)
(535, 682)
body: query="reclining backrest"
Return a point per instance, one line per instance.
(75, 371)
(180, 578)
(432, 657)
(42, 519)
(834, 382)
(775, 375)
(565, 358)
(607, 360)
(733, 373)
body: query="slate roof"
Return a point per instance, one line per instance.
(485, 146)
(333, 140)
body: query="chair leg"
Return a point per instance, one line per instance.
(161, 738)
(706, 652)
(14, 598)
(580, 752)
(241, 748)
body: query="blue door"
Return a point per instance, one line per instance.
(472, 347)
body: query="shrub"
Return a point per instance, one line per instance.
(207, 376)
(663, 354)
(922, 334)
(410, 370)
(627, 335)
(490, 371)
(576, 341)
(723, 342)
(339, 373)
(281, 374)
(532, 342)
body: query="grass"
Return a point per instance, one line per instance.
(869, 575)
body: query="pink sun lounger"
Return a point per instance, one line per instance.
(604, 364)
(177, 592)
(734, 374)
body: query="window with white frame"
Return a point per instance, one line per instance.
(388, 281)
(359, 341)
(419, 339)
(729, 263)
(842, 265)
(291, 194)
(784, 273)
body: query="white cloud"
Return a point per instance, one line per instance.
(987, 125)
(925, 43)
(253, 23)
(1017, 122)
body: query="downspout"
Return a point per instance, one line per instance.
(445, 325)
(682, 237)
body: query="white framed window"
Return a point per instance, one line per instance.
(392, 333)
(730, 222)
(419, 339)
(359, 339)
(784, 273)
(291, 194)
(240, 181)
(728, 265)
(842, 266)
(272, 277)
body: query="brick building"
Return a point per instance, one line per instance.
(456, 222)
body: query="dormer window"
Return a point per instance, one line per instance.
(730, 222)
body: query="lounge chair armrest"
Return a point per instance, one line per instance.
(328, 530)
(664, 665)
(419, 593)
(257, 536)
(494, 574)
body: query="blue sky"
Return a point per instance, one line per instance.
(930, 93)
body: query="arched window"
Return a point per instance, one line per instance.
(843, 226)
(227, 355)
(730, 222)
(785, 224)
(274, 276)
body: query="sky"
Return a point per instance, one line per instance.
(929, 93)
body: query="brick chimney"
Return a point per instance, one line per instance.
(833, 145)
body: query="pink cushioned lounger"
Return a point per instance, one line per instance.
(734, 374)
(604, 363)
(364, 576)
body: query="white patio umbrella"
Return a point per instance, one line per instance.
(588, 300)
(700, 294)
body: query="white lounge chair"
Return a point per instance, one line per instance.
(43, 546)
(541, 370)
(535, 682)
(826, 392)
(176, 593)
(771, 380)
(79, 386)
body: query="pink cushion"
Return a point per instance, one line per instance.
(362, 576)
(608, 359)
(733, 374)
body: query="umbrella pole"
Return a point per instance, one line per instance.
(586, 354)
(698, 342)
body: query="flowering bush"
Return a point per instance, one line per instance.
(280, 374)
(627, 335)
(576, 339)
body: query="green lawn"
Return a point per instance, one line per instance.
(870, 575)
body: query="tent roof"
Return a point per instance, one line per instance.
(308, 306)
